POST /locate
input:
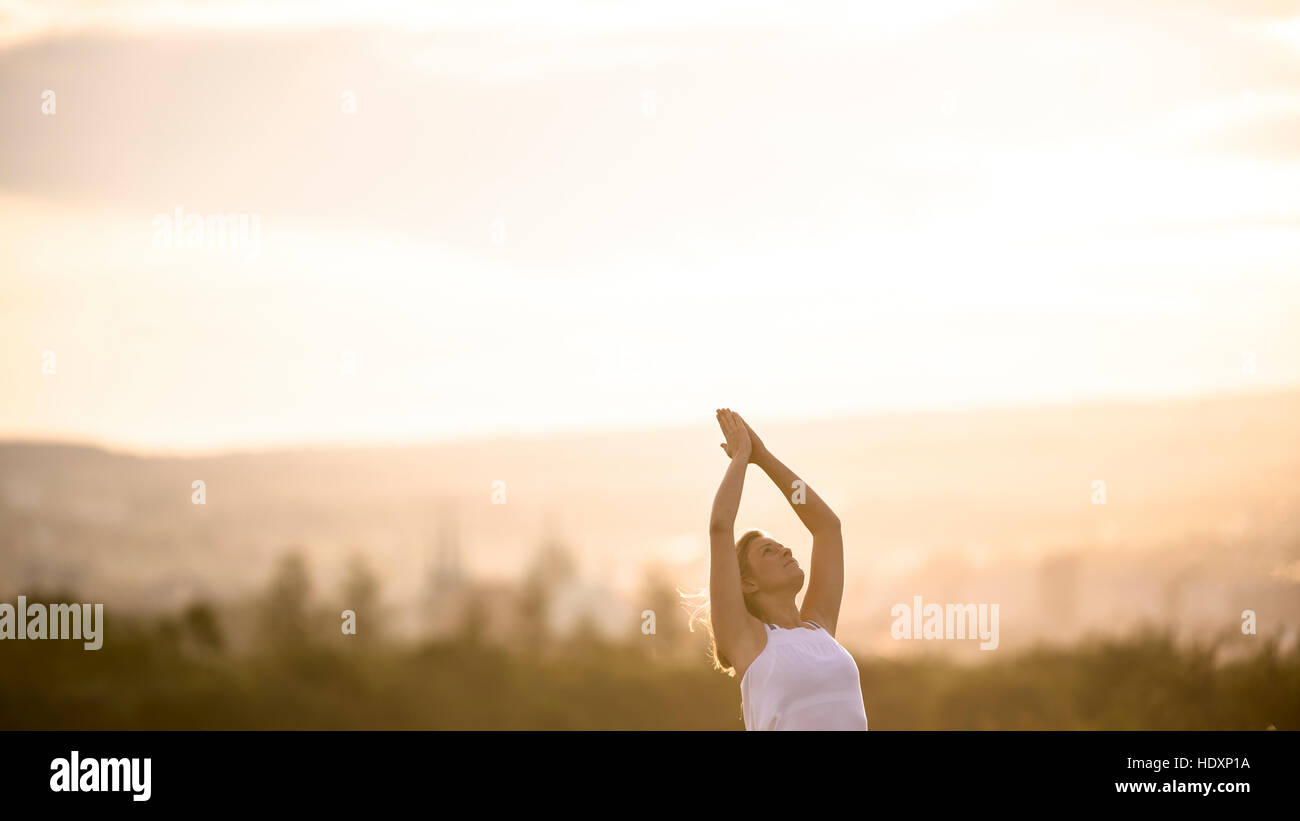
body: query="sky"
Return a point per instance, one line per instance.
(471, 219)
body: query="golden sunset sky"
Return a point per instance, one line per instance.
(600, 215)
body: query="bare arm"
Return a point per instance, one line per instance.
(726, 502)
(727, 601)
(815, 514)
(826, 576)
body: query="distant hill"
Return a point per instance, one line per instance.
(1202, 508)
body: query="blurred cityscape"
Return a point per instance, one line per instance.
(1200, 521)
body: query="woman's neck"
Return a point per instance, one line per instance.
(783, 615)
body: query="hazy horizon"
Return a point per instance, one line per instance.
(1198, 521)
(488, 437)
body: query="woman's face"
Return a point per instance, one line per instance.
(772, 566)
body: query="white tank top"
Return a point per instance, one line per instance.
(802, 680)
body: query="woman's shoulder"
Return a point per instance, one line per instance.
(820, 619)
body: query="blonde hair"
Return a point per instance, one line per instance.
(702, 613)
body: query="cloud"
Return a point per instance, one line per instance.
(754, 135)
(1267, 137)
(1243, 9)
(34, 19)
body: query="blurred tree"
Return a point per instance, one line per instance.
(587, 638)
(532, 616)
(202, 628)
(286, 616)
(474, 618)
(554, 564)
(553, 567)
(361, 595)
(672, 637)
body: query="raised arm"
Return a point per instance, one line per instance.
(731, 628)
(826, 576)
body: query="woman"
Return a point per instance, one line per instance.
(794, 674)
